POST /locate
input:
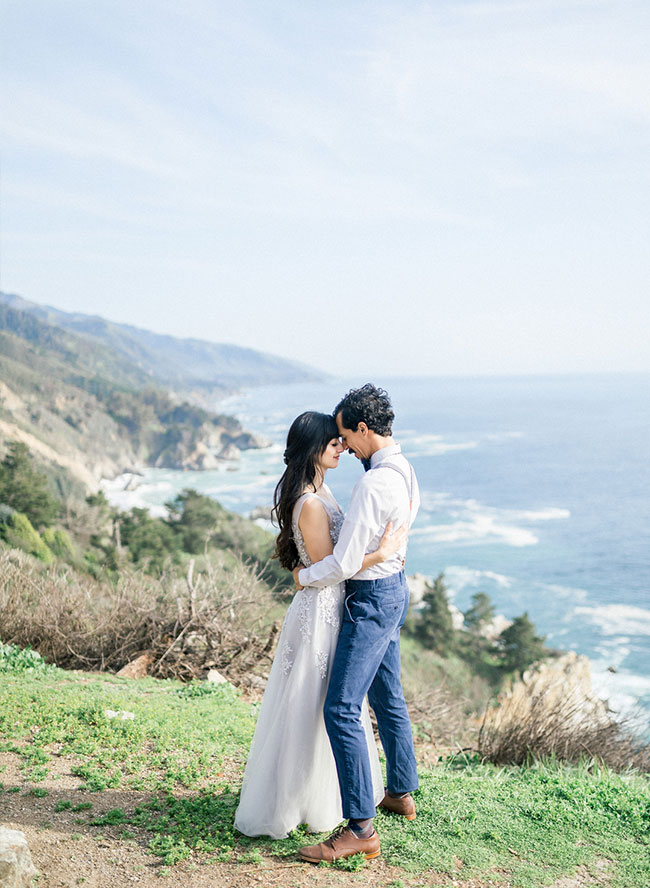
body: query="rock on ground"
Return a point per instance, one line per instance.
(138, 668)
(16, 867)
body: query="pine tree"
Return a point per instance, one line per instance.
(480, 613)
(521, 646)
(24, 488)
(435, 628)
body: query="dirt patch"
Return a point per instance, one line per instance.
(69, 852)
(599, 873)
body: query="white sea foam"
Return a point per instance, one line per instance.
(563, 591)
(550, 514)
(503, 436)
(480, 529)
(613, 652)
(471, 576)
(133, 499)
(623, 690)
(617, 619)
(432, 445)
(475, 522)
(439, 500)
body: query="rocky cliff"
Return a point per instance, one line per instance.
(86, 412)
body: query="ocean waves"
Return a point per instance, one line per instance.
(467, 521)
(481, 528)
(617, 619)
(419, 444)
(432, 445)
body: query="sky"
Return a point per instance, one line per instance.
(444, 188)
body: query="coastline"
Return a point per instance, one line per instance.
(524, 498)
(150, 488)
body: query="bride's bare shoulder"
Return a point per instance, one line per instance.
(313, 516)
(312, 508)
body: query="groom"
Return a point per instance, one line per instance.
(367, 659)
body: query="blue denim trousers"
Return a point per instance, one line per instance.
(367, 661)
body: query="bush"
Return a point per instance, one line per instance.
(17, 532)
(193, 518)
(150, 541)
(480, 613)
(521, 646)
(565, 731)
(15, 659)
(218, 619)
(58, 542)
(200, 521)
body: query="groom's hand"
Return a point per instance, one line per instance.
(295, 573)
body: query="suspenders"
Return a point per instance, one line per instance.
(409, 482)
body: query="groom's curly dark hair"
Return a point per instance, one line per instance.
(367, 404)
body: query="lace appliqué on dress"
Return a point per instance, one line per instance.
(321, 660)
(326, 600)
(304, 615)
(328, 607)
(286, 662)
(336, 523)
(300, 546)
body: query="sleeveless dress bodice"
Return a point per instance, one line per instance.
(334, 514)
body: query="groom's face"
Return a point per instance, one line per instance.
(354, 442)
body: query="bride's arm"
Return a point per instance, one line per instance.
(315, 529)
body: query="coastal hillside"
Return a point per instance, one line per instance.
(174, 621)
(116, 781)
(87, 411)
(189, 366)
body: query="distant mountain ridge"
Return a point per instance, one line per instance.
(92, 399)
(183, 364)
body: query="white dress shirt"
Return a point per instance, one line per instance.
(387, 492)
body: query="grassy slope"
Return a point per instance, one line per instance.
(525, 826)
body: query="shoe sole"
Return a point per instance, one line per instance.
(397, 814)
(369, 856)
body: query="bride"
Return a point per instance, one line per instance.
(290, 776)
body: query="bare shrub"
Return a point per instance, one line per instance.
(440, 716)
(565, 731)
(445, 699)
(216, 619)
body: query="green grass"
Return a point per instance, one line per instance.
(175, 739)
(527, 826)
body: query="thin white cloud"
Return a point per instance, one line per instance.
(621, 86)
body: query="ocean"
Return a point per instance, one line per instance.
(535, 490)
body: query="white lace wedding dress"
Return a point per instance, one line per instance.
(290, 776)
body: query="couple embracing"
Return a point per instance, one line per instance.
(313, 759)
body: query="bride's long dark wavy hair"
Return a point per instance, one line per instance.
(309, 435)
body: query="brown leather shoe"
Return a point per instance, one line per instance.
(404, 806)
(342, 843)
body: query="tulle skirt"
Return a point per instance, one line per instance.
(290, 777)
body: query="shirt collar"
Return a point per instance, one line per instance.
(382, 454)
